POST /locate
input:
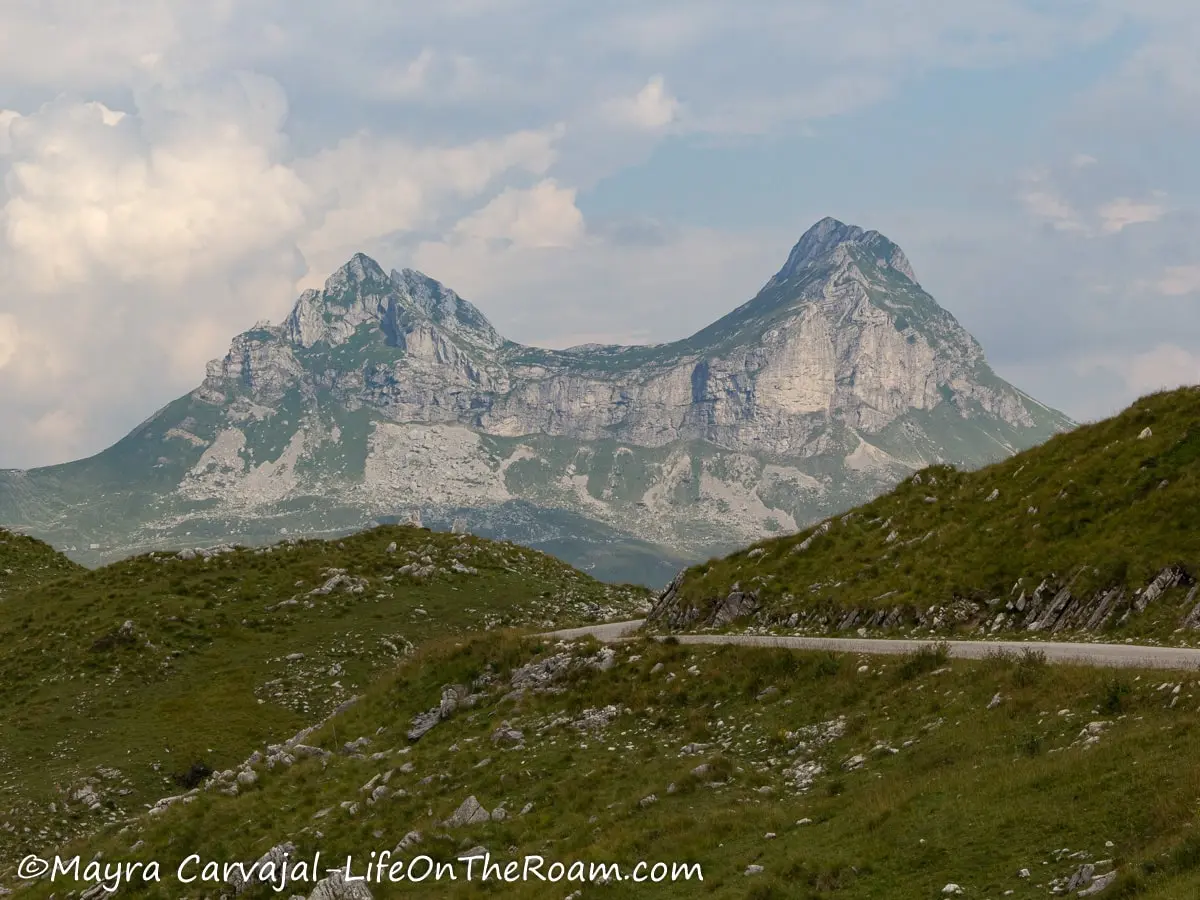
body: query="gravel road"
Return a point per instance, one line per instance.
(1107, 655)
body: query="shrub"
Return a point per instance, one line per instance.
(1112, 700)
(926, 659)
(1031, 666)
(193, 777)
(1030, 744)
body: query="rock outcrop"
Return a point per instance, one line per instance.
(1050, 607)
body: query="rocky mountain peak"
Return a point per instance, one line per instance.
(827, 242)
(359, 272)
(432, 299)
(361, 294)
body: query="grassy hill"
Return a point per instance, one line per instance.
(25, 561)
(1099, 513)
(839, 777)
(119, 684)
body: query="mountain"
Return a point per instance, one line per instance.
(387, 395)
(1087, 534)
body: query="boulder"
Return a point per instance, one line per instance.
(336, 887)
(1099, 883)
(269, 864)
(470, 812)
(423, 723)
(506, 734)
(736, 605)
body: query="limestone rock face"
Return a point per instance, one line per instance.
(387, 391)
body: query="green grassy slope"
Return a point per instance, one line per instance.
(26, 561)
(918, 775)
(157, 663)
(1106, 506)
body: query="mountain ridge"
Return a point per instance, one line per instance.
(387, 392)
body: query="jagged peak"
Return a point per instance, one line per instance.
(445, 307)
(821, 242)
(358, 270)
(360, 293)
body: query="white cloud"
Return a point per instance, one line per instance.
(102, 43)
(1043, 202)
(1179, 280)
(7, 117)
(1158, 80)
(193, 183)
(653, 107)
(1123, 212)
(429, 77)
(56, 428)
(407, 80)
(370, 187)
(543, 216)
(1042, 195)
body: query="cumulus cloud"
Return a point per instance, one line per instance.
(429, 77)
(1157, 83)
(542, 216)
(103, 43)
(191, 183)
(369, 187)
(125, 236)
(1164, 367)
(651, 108)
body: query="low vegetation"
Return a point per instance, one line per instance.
(783, 774)
(26, 561)
(151, 666)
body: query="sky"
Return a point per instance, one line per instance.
(171, 173)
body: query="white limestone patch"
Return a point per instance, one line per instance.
(222, 473)
(429, 465)
(223, 456)
(733, 496)
(246, 410)
(868, 458)
(183, 435)
(577, 487)
(675, 472)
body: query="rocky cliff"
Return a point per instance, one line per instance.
(384, 393)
